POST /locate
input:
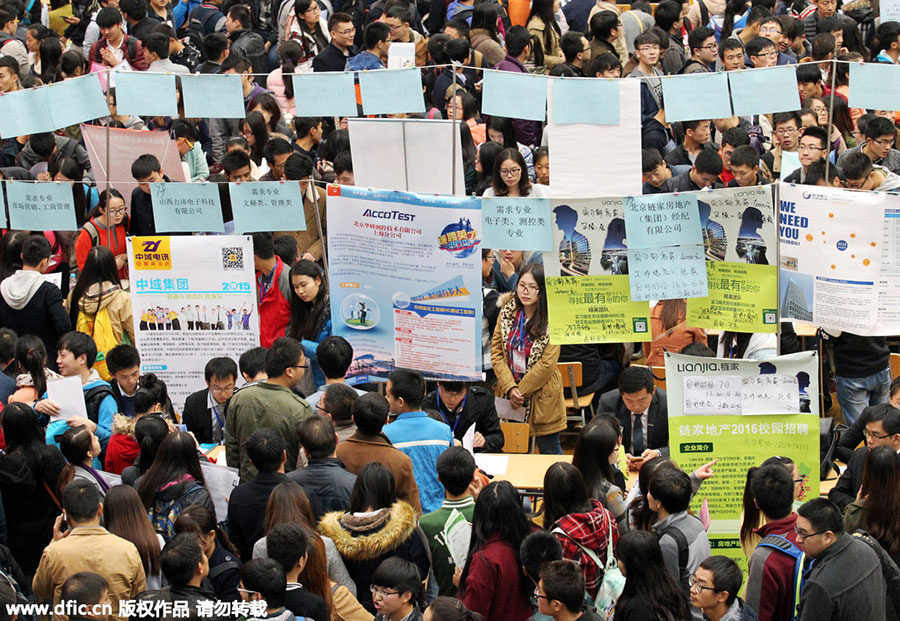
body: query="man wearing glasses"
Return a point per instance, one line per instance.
(861, 174)
(813, 147)
(704, 50)
(785, 137)
(846, 580)
(882, 429)
(879, 145)
(714, 589)
(336, 54)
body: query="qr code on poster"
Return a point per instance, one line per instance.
(232, 258)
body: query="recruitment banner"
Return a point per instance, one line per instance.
(405, 281)
(741, 412)
(193, 298)
(739, 239)
(838, 259)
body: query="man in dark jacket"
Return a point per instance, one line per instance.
(115, 47)
(846, 581)
(642, 410)
(518, 51)
(243, 40)
(185, 568)
(326, 483)
(336, 54)
(462, 406)
(247, 503)
(204, 410)
(31, 305)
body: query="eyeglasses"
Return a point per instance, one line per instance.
(320, 408)
(247, 591)
(885, 142)
(395, 28)
(382, 593)
(804, 536)
(871, 434)
(649, 48)
(772, 54)
(767, 31)
(300, 366)
(710, 46)
(346, 32)
(526, 288)
(809, 147)
(186, 142)
(785, 131)
(537, 594)
(221, 389)
(695, 585)
(858, 185)
(802, 478)
(510, 172)
(116, 212)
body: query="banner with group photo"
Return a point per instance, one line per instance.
(741, 412)
(193, 298)
(739, 238)
(405, 281)
(840, 259)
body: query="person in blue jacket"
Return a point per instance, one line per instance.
(75, 358)
(310, 320)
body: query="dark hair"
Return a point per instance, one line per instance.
(104, 199)
(81, 500)
(343, 161)
(885, 35)
(264, 245)
(70, 62)
(108, 17)
(726, 576)
(536, 549)
(337, 142)
(856, 165)
(697, 37)
(11, 248)
(334, 355)
(646, 576)
(283, 354)
(8, 341)
(124, 516)
(666, 14)
(408, 385)
(316, 435)
(445, 608)
(279, 146)
(374, 489)
(484, 16)
(815, 172)
(571, 45)
(79, 344)
(235, 160)
(822, 47)
(650, 159)
(460, 25)
(671, 487)
(24, 436)
(298, 166)
(881, 479)
(285, 245)
(537, 325)
(744, 156)
(31, 354)
(877, 127)
(149, 433)
(42, 144)
(375, 33)
(709, 162)
(266, 577)
(487, 155)
(176, 457)
(455, 469)
(602, 24)
(726, 45)
(403, 576)
(253, 361)
(201, 520)
(338, 18)
(50, 54)
(564, 493)
(99, 267)
(74, 444)
(823, 515)
(287, 544)
(809, 73)
(156, 43)
(735, 137)
(307, 318)
(770, 490)
(498, 513)
(151, 391)
(260, 132)
(340, 399)
(122, 357)
(237, 63)
(370, 413)
(222, 367)
(498, 183)
(543, 10)
(634, 379)
(85, 588)
(596, 441)
(35, 249)
(291, 53)
(240, 13)
(144, 166)
(180, 557)
(563, 581)
(215, 44)
(818, 133)
(517, 39)
(265, 448)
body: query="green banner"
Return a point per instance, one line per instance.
(742, 298)
(595, 309)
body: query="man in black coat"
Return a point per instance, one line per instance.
(461, 406)
(642, 411)
(326, 483)
(204, 410)
(31, 305)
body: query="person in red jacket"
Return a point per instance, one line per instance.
(273, 287)
(770, 583)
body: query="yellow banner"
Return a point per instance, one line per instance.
(595, 309)
(743, 297)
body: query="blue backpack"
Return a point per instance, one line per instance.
(783, 544)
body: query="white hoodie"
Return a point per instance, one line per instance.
(19, 288)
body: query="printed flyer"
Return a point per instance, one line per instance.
(405, 281)
(741, 412)
(193, 298)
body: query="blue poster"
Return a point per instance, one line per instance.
(662, 220)
(25, 112)
(48, 206)
(696, 97)
(186, 208)
(763, 91)
(585, 100)
(405, 282)
(391, 91)
(267, 206)
(335, 94)
(133, 88)
(213, 96)
(514, 223)
(77, 100)
(515, 95)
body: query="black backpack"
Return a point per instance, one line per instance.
(684, 575)
(94, 397)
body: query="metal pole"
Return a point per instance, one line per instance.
(315, 193)
(830, 120)
(777, 195)
(108, 85)
(454, 130)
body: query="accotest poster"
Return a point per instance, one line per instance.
(193, 298)
(741, 412)
(833, 242)
(405, 281)
(739, 238)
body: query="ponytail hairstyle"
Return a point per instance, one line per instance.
(32, 358)
(200, 520)
(149, 432)
(290, 52)
(75, 445)
(733, 9)
(151, 391)
(451, 609)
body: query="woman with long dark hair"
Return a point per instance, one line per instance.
(492, 582)
(267, 105)
(11, 253)
(67, 169)
(149, 433)
(124, 448)
(377, 526)
(306, 26)
(50, 52)
(580, 522)
(99, 288)
(483, 34)
(752, 518)
(668, 325)
(500, 130)
(596, 450)
(175, 476)
(256, 133)
(542, 25)
(511, 179)
(279, 80)
(224, 564)
(124, 516)
(107, 226)
(81, 448)
(650, 592)
(525, 360)
(445, 608)
(484, 165)
(310, 320)
(31, 383)
(29, 471)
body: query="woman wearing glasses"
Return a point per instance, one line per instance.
(511, 178)
(107, 226)
(525, 361)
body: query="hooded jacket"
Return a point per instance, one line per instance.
(116, 302)
(591, 530)
(366, 540)
(28, 305)
(107, 410)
